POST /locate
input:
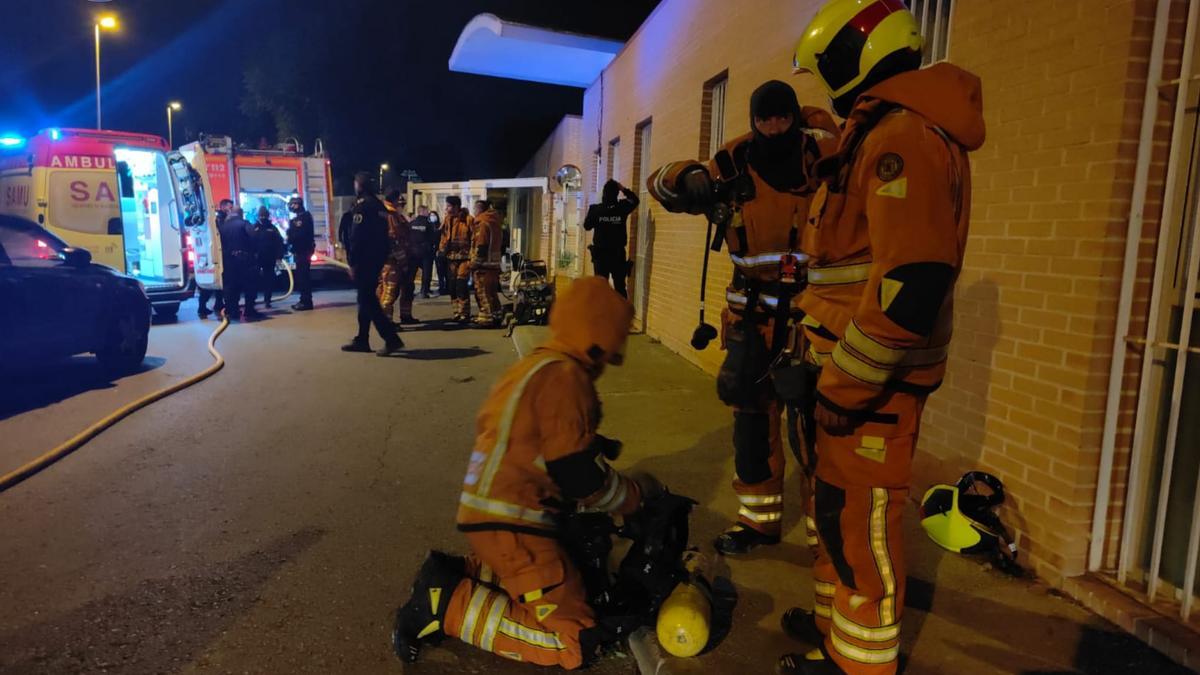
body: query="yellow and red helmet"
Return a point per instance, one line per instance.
(848, 38)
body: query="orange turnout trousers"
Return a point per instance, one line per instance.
(887, 234)
(523, 600)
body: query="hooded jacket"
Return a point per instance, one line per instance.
(487, 240)
(536, 445)
(886, 235)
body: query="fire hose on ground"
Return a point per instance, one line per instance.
(29, 469)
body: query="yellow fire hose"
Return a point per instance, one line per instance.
(15, 477)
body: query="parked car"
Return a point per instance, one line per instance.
(55, 302)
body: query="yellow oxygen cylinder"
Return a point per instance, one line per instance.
(685, 618)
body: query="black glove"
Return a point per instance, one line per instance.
(697, 191)
(609, 447)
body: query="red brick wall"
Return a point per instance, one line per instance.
(1063, 81)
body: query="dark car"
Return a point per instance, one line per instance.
(55, 302)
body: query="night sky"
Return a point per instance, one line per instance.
(368, 76)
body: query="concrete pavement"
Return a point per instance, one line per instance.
(269, 519)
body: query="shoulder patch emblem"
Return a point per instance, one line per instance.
(897, 189)
(890, 166)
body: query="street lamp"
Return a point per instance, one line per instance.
(173, 106)
(107, 22)
(382, 168)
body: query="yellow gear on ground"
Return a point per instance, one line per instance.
(684, 620)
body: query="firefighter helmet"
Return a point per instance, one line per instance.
(848, 38)
(963, 519)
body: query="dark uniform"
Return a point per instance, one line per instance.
(425, 237)
(269, 250)
(302, 241)
(608, 243)
(367, 252)
(238, 249)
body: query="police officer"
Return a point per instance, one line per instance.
(879, 310)
(218, 295)
(367, 252)
(610, 220)
(269, 250)
(425, 242)
(238, 250)
(302, 241)
(771, 172)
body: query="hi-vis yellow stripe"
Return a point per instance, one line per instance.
(492, 625)
(864, 633)
(506, 422)
(858, 368)
(494, 507)
(869, 656)
(843, 274)
(530, 636)
(471, 618)
(883, 558)
(867, 346)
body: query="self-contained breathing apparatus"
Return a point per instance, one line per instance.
(654, 566)
(748, 359)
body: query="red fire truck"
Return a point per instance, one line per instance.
(263, 177)
(125, 197)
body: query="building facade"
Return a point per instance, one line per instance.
(1090, 144)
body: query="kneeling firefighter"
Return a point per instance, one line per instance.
(519, 595)
(761, 183)
(886, 237)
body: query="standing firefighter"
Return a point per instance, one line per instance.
(456, 244)
(767, 176)
(519, 595)
(886, 235)
(393, 278)
(486, 251)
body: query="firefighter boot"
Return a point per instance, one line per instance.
(816, 662)
(420, 620)
(801, 624)
(739, 540)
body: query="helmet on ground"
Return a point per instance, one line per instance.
(963, 519)
(591, 321)
(847, 39)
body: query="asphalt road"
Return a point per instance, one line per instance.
(269, 519)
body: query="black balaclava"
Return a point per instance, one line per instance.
(779, 160)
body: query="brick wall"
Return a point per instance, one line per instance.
(564, 146)
(1036, 302)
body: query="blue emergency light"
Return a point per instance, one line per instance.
(11, 140)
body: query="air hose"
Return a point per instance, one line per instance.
(15, 477)
(291, 283)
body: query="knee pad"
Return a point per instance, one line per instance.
(752, 447)
(829, 502)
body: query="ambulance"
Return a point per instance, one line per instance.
(125, 197)
(263, 177)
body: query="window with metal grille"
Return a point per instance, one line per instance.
(934, 17)
(712, 118)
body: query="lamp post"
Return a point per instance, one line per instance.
(382, 169)
(107, 22)
(173, 106)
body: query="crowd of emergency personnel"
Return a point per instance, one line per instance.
(846, 241)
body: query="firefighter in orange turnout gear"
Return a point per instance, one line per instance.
(886, 234)
(763, 238)
(456, 244)
(519, 595)
(486, 250)
(395, 269)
